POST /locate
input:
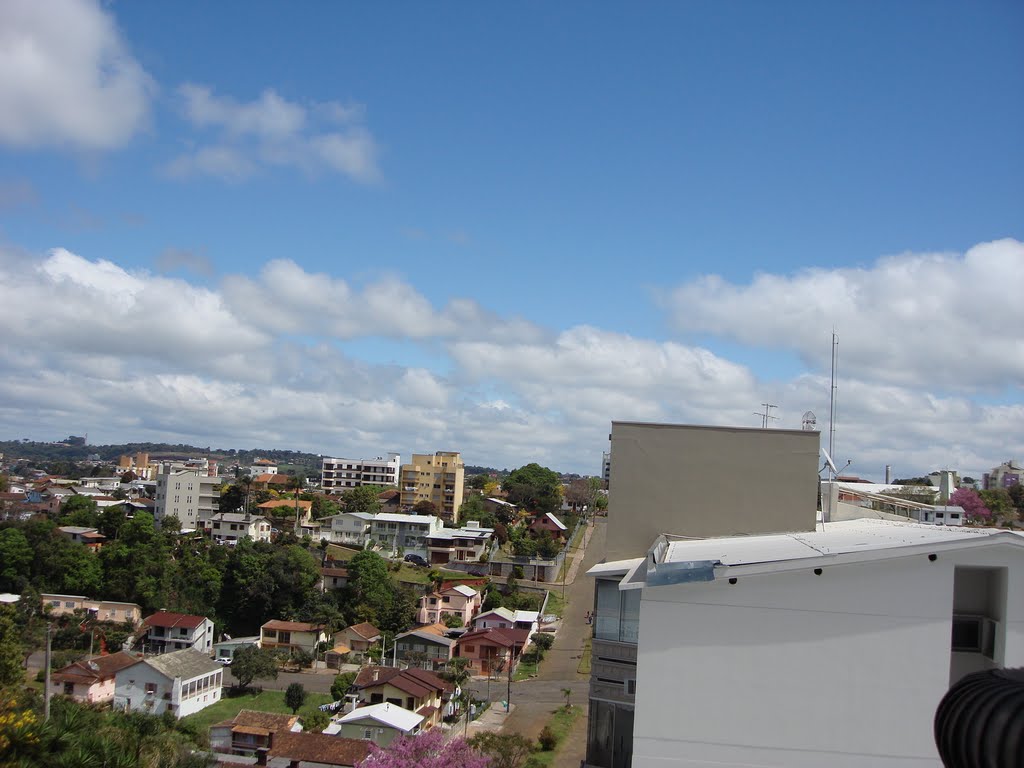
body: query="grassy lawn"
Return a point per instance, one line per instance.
(584, 667)
(560, 724)
(265, 701)
(556, 604)
(523, 670)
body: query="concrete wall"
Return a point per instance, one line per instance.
(707, 481)
(795, 669)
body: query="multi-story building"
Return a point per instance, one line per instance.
(101, 610)
(776, 493)
(606, 468)
(181, 683)
(408, 533)
(1007, 474)
(461, 545)
(166, 631)
(232, 527)
(190, 495)
(352, 528)
(340, 474)
(437, 478)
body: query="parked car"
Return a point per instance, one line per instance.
(415, 560)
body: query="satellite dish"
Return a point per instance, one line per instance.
(829, 462)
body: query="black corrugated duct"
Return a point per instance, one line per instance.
(980, 721)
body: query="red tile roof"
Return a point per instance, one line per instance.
(416, 682)
(97, 669)
(503, 637)
(291, 626)
(365, 630)
(319, 748)
(170, 619)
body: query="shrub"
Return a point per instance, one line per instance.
(547, 739)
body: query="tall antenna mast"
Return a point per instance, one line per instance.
(832, 398)
(766, 416)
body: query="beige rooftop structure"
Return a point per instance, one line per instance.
(700, 481)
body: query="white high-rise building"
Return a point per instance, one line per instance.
(190, 495)
(340, 474)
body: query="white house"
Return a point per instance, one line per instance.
(351, 528)
(182, 683)
(379, 723)
(406, 532)
(232, 527)
(166, 631)
(827, 647)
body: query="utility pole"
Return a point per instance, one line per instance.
(46, 677)
(508, 696)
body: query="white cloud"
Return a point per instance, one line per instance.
(272, 131)
(943, 321)
(67, 77)
(90, 346)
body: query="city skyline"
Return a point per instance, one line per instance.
(349, 230)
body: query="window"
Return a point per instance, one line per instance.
(470, 648)
(69, 689)
(150, 687)
(618, 613)
(367, 733)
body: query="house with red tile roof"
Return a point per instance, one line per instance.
(167, 631)
(292, 636)
(492, 650)
(416, 690)
(90, 681)
(249, 731)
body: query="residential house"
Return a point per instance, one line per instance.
(181, 682)
(100, 610)
(774, 615)
(263, 467)
(351, 528)
(378, 723)
(504, 618)
(408, 533)
(416, 690)
(166, 631)
(225, 650)
(288, 749)
(359, 638)
(390, 500)
(429, 647)
(551, 524)
(492, 650)
(500, 508)
(292, 636)
(458, 600)
(90, 681)
(188, 494)
(271, 482)
(249, 731)
(468, 544)
(341, 474)
(90, 537)
(232, 527)
(286, 508)
(333, 575)
(437, 478)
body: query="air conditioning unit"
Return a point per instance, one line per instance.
(974, 634)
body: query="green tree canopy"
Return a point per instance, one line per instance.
(363, 498)
(252, 663)
(294, 696)
(16, 558)
(534, 487)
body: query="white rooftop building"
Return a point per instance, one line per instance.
(827, 647)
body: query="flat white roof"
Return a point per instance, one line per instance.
(386, 713)
(614, 567)
(846, 540)
(398, 517)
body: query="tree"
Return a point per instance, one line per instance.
(424, 507)
(567, 692)
(547, 739)
(534, 487)
(341, 685)
(477, 482)
(452, 620)
(11, 672)
(79, 510)
(998, 502)
(323, 507)
(581, 493)
(16, 557)
(294, 697)
(252, 663)
(362, 498)
(506, 750)
(969, 500)
(543, 641)
(369, 585)
(316, 721)
(428, 750)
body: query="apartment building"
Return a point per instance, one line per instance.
(1007, 474)
(341, 474)
(101, 610)
(409, 533)
(437, 478)
(777, 493)
(188, 494)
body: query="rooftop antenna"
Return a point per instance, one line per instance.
(832, 399)
(767, 415)
(808, 421)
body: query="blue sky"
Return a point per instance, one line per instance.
(691, 195)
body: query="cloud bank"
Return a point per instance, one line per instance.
(261, 361)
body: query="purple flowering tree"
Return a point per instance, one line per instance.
(974, 508)
(430, 750)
